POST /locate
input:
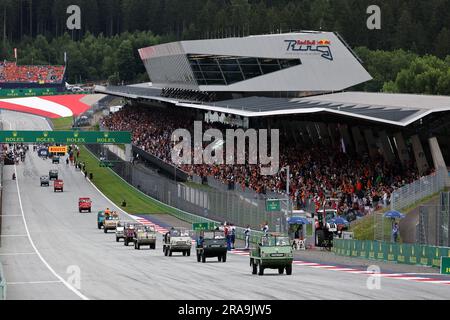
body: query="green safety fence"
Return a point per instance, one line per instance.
(413, 254)
(2, 284)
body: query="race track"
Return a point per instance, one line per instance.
(45, 239)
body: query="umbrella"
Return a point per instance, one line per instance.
(393, 214)
(338, 220)
(298, 220)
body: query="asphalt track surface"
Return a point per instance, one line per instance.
(45, 240)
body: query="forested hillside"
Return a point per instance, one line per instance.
(408, 54)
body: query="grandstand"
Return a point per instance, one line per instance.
(355, 146)
(20, 77)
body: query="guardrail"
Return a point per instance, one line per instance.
(2, 284)
(413, 254)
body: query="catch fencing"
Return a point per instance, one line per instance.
(434, 223)
(413, 254)
(196, 203)
(420, 189)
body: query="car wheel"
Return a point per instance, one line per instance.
(189, 253)
(79, 210)
(219, 258)
(117, 239)
(254, 268)
(281, 270)
(153, 246)
(170, 253)
(289, 269)
(203, 258)
(184, 253)
(261, 270)
(224, 258)
(89, 209)
(105, 230)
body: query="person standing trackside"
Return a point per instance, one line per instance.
(233, 236)
(265, 229)
(395, 231)
(247, 232)
(227, 232)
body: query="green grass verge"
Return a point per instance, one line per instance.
(62, 123)
(117, 189)
(364, 229)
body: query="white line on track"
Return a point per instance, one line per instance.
(18, 254)
(68, 285)
(32, 282)
(13, 235)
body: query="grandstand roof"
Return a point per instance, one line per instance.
(394, 109)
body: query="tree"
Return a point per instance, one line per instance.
(125, 61)
(442, 47)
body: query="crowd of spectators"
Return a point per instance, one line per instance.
(10, 72)
(356, 182)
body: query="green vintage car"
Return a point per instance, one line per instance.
(274, 251)
(210, 244)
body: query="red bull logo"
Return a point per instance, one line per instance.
(321, 47)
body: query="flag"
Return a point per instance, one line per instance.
(65, 57)
(15, 53)
(343, 145)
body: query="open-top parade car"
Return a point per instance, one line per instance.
(84, 204)
(177, 240)
(274, 251)
(211, 242)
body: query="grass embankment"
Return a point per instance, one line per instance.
(62, 123)
(364, 229)
(117, 189)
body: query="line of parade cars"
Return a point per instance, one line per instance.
(274, 251)
(53, 175)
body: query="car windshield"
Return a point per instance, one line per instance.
(214, 235)
(275, 241)
(179, 232)
(330, 214)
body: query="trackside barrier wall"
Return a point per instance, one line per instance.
(413, 254)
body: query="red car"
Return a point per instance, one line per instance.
(58, 185)
(84, 204)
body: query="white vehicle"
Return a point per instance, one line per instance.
(177, 240)
(120, 230)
